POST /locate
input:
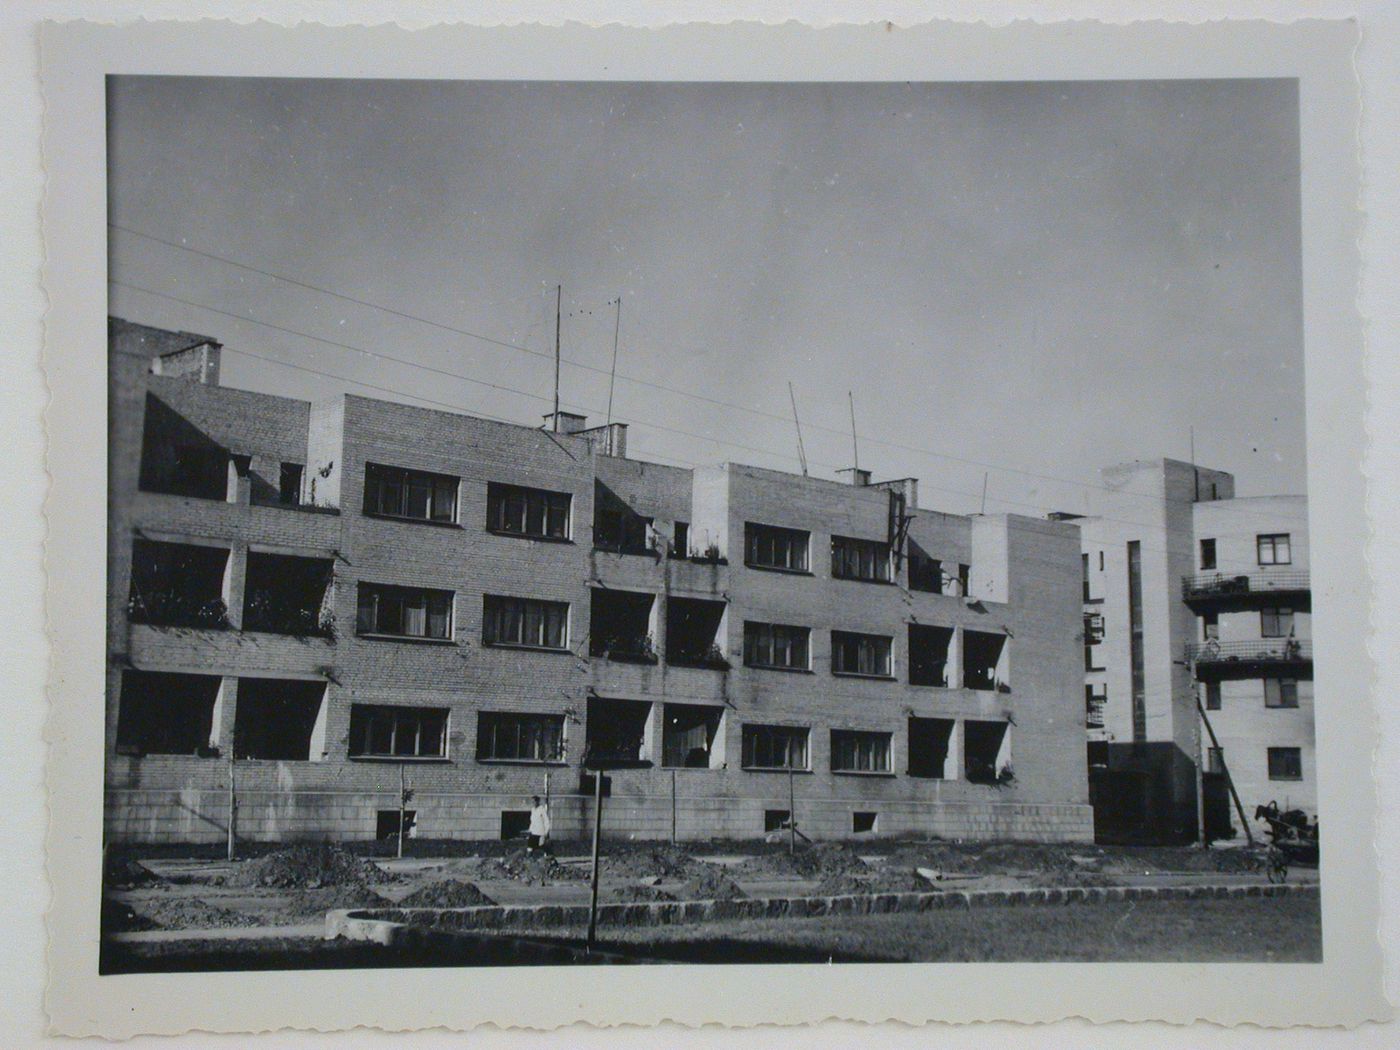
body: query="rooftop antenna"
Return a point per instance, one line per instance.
(1195, 470)
(558, 307)
(612, 376)
(984, 492)
(855, 448)
(801, 452)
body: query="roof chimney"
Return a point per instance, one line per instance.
(565, 422)
(859, 478)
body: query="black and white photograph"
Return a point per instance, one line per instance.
(711, 523)
(747, 527)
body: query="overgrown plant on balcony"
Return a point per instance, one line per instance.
(636, 649)
(709, 656)
(280, 614)
(169, 607)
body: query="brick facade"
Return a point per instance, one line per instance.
(1022, 591)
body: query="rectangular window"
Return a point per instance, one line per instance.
(520, 511)
(504, 737)
(1212, 696)
(855, 751)
(1136, 658)
(680, 539)
(775, 747)
(1215, 760)
(399, 493)
(1095, 700)
(776, 645)
(1275, 623)
(1285, 763)
(771, 547)
(524, 621)
(1084, 576)
(860, 559)
(1210, 627)
(384, 731)
(1275, 549)
(1280, 692)
(860, 654)
(964, 580)
(1207, 554)
(289, 484)
(406, 612)
(925, 573)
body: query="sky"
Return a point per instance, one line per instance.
(1015, 283)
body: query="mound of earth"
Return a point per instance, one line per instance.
(124, 873)
(449, 893)
(899, 880)
(533, 869)
(119, 917)
(307, 903)
(192, 913)
(635, 894)
(308, 866)
(659, 861)
(816, 862)
(711, 886)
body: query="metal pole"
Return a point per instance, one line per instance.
(597, 834)
(673, 807)
(232, 804)
(558, 307)
(792, 811)
(403, 798)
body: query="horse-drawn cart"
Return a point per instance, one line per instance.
(1292, 840)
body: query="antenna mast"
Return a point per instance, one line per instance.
(1195, 470)
(801, 452)
(855, 448)
(612, 376)
(558, 307)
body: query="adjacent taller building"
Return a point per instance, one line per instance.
(1197, 652)
(314, 606)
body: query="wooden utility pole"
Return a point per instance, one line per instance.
(403, 806)
(792, 809)
(673, 807)
(597, 836)
(558, 314)
(1229, 780)
(232, 804)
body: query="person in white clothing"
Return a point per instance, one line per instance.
(539, 824)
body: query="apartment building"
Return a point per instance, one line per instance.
(1196, 621)
(314, 608)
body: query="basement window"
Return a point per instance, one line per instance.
(404, 612)
(772, 547)
(694, 631)
(396, 492)
(617, 729)
(387, 731)
(526, 622)
(167, 714)
(620, 626)
(503, 737)
(776, 645)
(386, 823)
(928, 654)
(280, 720)
(515, 824)
(864, 823)
(287, 594)
(860, 654)
(535, 513)
(856, 751)
(775, 747)
(775, 820)
(986, 752)
(853, 559)
(690, 736)
(930, 748)
(177, 585)
(983, 661)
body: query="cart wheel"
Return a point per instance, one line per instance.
(1277, 867)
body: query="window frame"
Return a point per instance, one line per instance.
(751, 733)
(838, 638)
(1282, 692)
(757, 535)
(379, 591)
(1270, 541)
(1294, 755)
(521, 720)
(363, 720)
(841, 738)
(1208, 556)
(504, 500)
(493, 606)
(1272, 621)
(381, 478)
(753, 641)
(849, 557)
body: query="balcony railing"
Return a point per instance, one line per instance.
(1251, 651)
(633, 649)
(1228, 586)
